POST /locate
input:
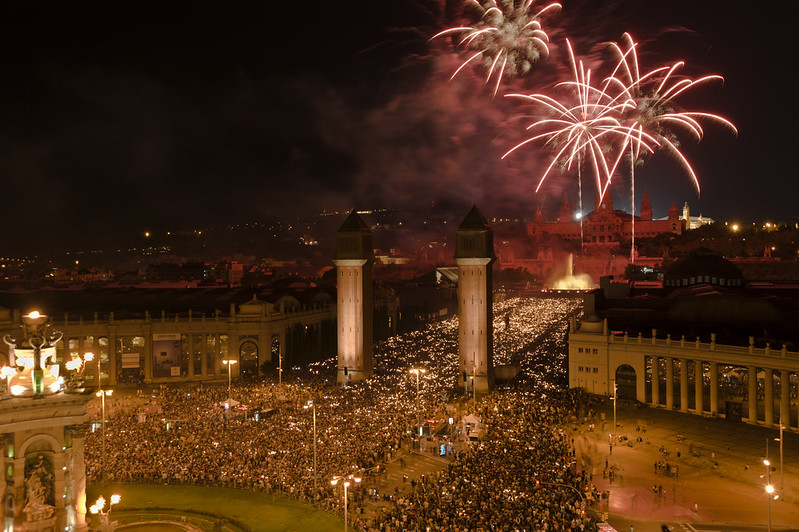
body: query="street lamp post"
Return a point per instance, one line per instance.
(101, 394)
(615, 395)
(280, 369)
(782, 471)
(347, 480)
(418, 372)
(312, 405)
(280, 463)
(769, 487)
(229, 363)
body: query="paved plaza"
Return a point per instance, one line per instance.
(720, 476)
(718, 483)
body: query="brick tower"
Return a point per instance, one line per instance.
(353, 259)
(474, 255)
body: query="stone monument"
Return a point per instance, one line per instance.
(42, 427)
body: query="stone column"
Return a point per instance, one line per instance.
(3, 483)
(148, 354)
(113, 357)
(76, 486)
(59, 485)
(190, 353)
(655, 381)
(204, 354)
(217, 351)
(699, 386)
(683, 385)
(768, 396)
(785, 399)
(714, 388)
(669, 383)
(18, 488)
(752, 385)
(264, 348)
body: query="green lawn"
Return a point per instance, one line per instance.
(257, 511)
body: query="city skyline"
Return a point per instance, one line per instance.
(120, 119)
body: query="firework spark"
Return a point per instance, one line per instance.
(648, 107)
(648, 103)
(508, 38)
(586, 129)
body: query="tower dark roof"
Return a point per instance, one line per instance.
(354, 239)
(354, 224)
(474, 238)
(474, 221)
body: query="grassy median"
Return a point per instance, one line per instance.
(254, 510)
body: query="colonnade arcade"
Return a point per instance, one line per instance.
(740, 383)
(710, 388)
(191, 346)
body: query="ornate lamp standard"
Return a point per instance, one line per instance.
(101, 394)
(97, 509)
(769, 488)
(346, 481)
(229, 363)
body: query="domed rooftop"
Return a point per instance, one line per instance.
(702, 266)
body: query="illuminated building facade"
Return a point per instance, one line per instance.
(694, 222)
(704, 343)
(606, 227)
(187, 341)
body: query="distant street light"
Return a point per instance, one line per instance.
(101, 394)
(418, 372)
(615, 396)
(770, 491)
(769, 487)
(782, 471)
(229, 363)
(312, 405)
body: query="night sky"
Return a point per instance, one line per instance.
(121, 117)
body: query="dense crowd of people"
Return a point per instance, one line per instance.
(520, 476)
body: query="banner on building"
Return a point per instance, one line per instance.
(166, 355)
(130, 360)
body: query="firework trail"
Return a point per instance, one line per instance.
(648, 110)
(584, 130)
(508, 38)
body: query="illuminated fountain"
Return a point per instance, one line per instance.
(570, 282)
(41, 436)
